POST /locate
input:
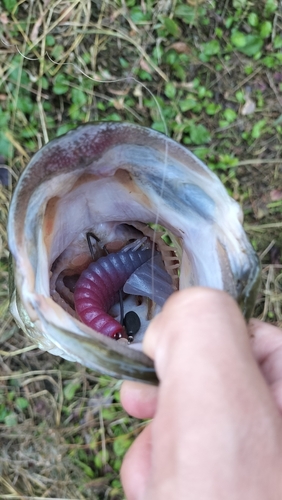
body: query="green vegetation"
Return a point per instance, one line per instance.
(206, 73)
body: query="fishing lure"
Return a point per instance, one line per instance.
(97, 289)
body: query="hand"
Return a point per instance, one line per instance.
(216, 431)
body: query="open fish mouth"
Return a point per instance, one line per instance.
(114, 181)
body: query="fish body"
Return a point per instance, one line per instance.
(114, 179)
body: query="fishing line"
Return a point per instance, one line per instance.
(117, 80)
(158, 211)
(96, 80)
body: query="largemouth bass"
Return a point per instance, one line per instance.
(114, 181)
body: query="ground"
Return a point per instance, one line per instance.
(206, 73)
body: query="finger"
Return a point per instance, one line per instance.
(267, 347)
(266, 339)
(276, 390)
(173, 336)
(139, 400)
(136, 466)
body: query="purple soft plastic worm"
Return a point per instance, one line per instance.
(96, 291)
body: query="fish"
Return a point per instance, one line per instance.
(121, 183)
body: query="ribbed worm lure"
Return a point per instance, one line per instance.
(97, 288)
(90, 235)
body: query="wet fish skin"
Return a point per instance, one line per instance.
(163, 176)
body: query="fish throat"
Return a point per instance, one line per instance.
(138, 274)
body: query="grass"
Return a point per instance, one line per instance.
(207, 73)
